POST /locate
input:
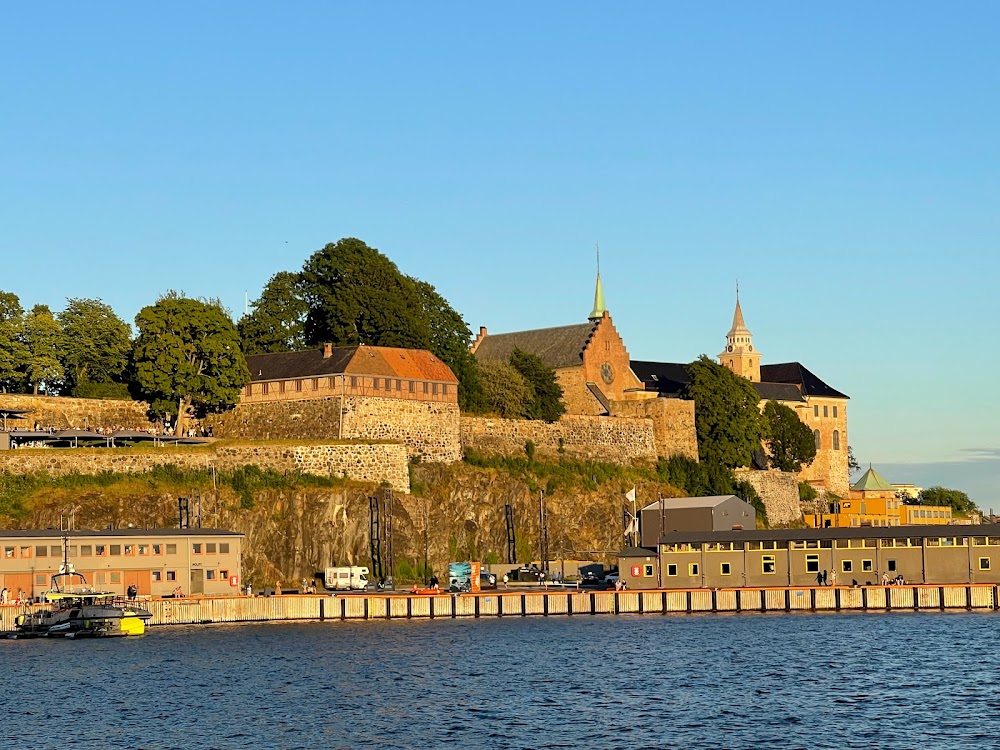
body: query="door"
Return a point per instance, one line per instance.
(19, 582)
(141, 579)
(197, 581)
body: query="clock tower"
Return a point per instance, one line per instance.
(740, 356)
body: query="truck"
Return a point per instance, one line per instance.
(347, 578)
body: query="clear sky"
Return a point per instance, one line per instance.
(841, 160)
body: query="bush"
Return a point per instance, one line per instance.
(807, 493)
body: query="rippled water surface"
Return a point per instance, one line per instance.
(764, 681)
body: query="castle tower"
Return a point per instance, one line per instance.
(739, 354)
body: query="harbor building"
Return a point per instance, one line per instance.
(714, 513)
(797, 557)
(155, 561)
(873, 501)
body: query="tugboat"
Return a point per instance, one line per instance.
(78, 611)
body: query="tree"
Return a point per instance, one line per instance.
(43, 339)
(956, 499)
(700, 479)
(790, 443)
(449, 341)
(187, 355)
(728, 421)
(277, 323)
(13, 352)
(96, 346)
(356, 295)
(852, 463)
(546, 402)
(506, 392)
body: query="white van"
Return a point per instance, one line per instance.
(353, 578)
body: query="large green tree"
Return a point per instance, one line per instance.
(728, 421)
(506, 391)
(277, 323)
(958, 500)
(187, 356)
(13, 352)
(43, 339)
(790, 442)
(96, 345)
(356, 295)
(546, 402)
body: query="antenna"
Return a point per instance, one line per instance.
(246, 302)
(737, 290)
(598, 246)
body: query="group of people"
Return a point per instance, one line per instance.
(7, 597)
(822, 579)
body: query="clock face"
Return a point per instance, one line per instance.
(730, 348)
(607, 373)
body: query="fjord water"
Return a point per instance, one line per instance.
(896, 680)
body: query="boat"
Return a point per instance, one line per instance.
(76, 610)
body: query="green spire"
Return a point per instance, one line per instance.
(599, 309)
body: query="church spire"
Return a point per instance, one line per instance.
(739, 354)
(599, 309)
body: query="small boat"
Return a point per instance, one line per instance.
(75, 610)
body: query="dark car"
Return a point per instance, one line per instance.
(487, 580)
(525, 574)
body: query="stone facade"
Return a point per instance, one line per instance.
(429, 430)
(673, 423)
(620, 441)
(827, 418)
(81, 413)
(779, 490)
(363, 462)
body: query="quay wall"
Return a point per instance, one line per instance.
(363, 462)
(566, 602)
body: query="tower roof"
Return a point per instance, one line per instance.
(872, 481)
(739, 326)
(599, 308)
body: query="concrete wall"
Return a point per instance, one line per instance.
(62, 413)
(428, 430)
(673, 423)
(778, 489)
(364, 462)
(621, 441)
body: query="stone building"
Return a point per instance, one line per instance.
(593, 367)
(822, 408)
(372, 393)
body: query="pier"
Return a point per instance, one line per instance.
(552, 603)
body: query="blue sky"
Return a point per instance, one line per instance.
(841, 161)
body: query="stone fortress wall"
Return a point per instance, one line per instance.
(79, 413)
(620, 441)
(429, 430)
(363, 462)
(779, 490)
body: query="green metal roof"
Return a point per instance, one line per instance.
(599, 308)
(872, 481)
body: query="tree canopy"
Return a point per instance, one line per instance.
(356, 295)
(13, 352)
(277, 323)
(790, 442)
(96, 345)
(43, 339)
(728, 421)
(546, 401)
(187, 355)
(956, 499)
(506, 392)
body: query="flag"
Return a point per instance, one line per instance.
(630, 495)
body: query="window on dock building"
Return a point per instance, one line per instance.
(847, 566)
(726, 569)
(672, 569)
(692, 569)
(812, 563)
(767, 564)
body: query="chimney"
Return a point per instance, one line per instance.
(327, 351)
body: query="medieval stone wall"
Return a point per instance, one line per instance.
(363, 462)
(81, 413)
(673, 423)
(428, 430)
(620, 441)
(779, 490)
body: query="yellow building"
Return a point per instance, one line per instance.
(875, 502)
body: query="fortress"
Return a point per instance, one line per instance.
(618, 410)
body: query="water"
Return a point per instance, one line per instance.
(927, 680)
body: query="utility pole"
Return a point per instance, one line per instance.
(543, 533)
(427, 514)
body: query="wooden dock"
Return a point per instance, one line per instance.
(396, 606)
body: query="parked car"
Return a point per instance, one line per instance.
(487, 580)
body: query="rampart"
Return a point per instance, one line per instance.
(778, 489)
(81, 413)
(428, 430)
(364, 462)
(673, 423)
(620, 441)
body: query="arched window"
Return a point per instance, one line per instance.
(836, 440)
(816, 436)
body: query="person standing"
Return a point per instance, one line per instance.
(249, 589)
(506, 579)
(833, 577)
